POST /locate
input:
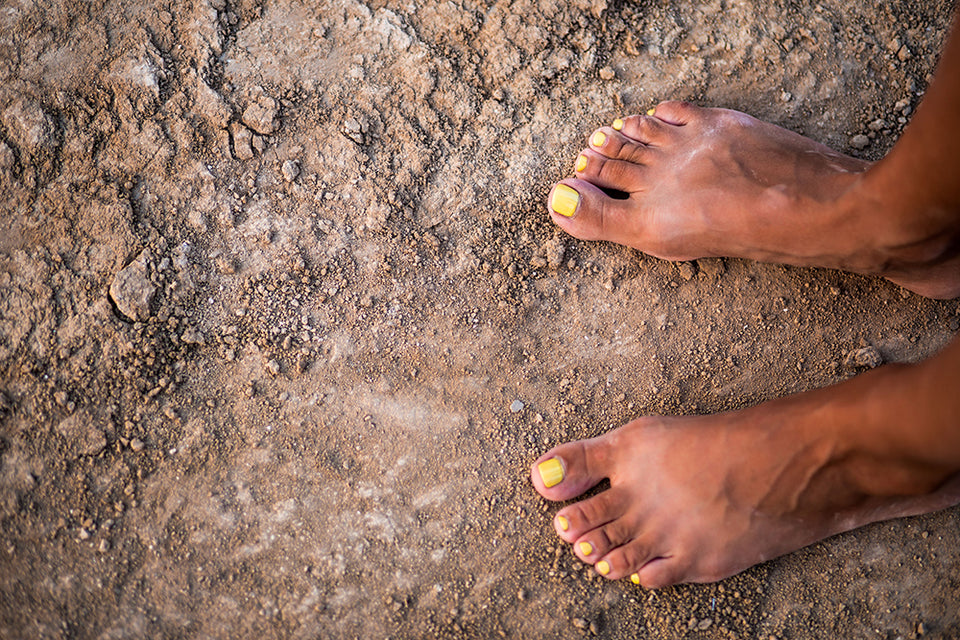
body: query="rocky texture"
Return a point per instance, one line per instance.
(307, 431)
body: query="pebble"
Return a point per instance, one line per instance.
(607, 73)
(687, 270)
(353, 130)
(859, 141)
(273, 367)
(580, 623)
(290, 170)
(136, 444)
(867, 357)
(261, 116)
(81, 431)
(516, 406)
(131, 289)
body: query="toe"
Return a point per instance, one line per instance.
(613, 144)
(585, 520)
(627, 559)
(661, 572)
(677, 113)
(649, 130)
(583, 210)
(608, 173)
(566, 471)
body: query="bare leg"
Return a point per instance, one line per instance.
(698, 499)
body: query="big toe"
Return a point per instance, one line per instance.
(567, 471)
(585, 211)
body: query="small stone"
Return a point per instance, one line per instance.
(104, 546)
(191, 336)
(687, 270)
(84, 534)
(859, 141)
(580, 623)
(131, 289)
(865, 357)
(242, 141)
(516, 406)
(136, 445)
(354, 130)
(705, 624)
(290, 170)
(261, 116)
(81, 431)
(607, 73)
(273, 367)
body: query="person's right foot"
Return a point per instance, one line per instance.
(697, 182)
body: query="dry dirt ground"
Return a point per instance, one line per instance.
(274, 274)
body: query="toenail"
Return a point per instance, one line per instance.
(586, 548)
(565, 200)
(581, 163)
(635, 578)
(650, 112)
(598, 138)
(617, 124)
(551, 471)
(563, 522)
(603, 567)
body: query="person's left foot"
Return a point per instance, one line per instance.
(699, 499)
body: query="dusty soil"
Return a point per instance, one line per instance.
(273, 274)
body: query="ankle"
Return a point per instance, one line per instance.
(911, 240)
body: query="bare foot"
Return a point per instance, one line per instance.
(699, 499)
(712, 182)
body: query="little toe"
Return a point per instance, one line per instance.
(568, 470)
(583, 210)
(676, 112)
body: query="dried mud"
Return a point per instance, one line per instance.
(273, 275)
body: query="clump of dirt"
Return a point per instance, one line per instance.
(283, 321)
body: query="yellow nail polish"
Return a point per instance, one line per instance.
(586, 548)
(581, 163)
(565, 200)
(598, 138)
(650, 112)
(563, 522)
(617, 124)
(551, 471)
(635, 578)
(603, 567)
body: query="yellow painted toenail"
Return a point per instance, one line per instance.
(564, 201)
(603, 567)
(563, 522)
(586, 548)
(598, 138)
(551, 471)
(581, 163)
(650, 112)
(617, 124)
(635, 578)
